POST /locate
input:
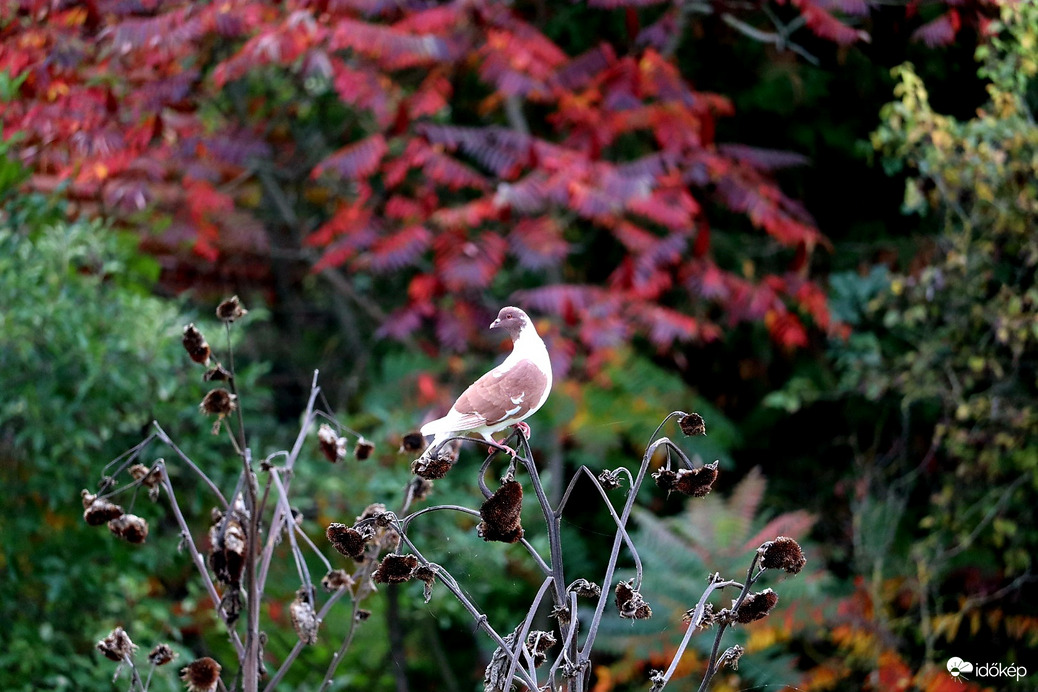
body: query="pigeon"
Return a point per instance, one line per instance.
(507, 394)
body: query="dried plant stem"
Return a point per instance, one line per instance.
(194, 467)
(196, 557)
(751, 578)
(338, 655)
(697, 617)
(291, 657)
(520, 640)
(290, 525)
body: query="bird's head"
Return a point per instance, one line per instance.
(512, 320)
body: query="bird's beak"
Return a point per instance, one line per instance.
(495, 324)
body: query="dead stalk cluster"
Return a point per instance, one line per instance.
(256, 520)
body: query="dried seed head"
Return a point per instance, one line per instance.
(195, 345)
(332, 446)
(630, 602)
(337, 579)
(665, 479)
(537, 643)
(217, 373)
(412, 442)
(363, 449)
(692, 424)
(695, 482)
(756, 606)
(585, 588)
(304, 619)
(230, 310)
(426, 573)
(100, 511)
(130, 528)
(782, 553)
(395, 569)
(500, 514)
(707, 619)
(419, 488)
(117, 645)
(149, 478)
(431, 469)
(201, 675)
(375, 509)
(87, 497)
(161, 655)
(219, 402)
(610, 480)
(363, 615)
(347, 540)
(730, 657)
(227, 549)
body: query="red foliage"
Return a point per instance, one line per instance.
(173, 105)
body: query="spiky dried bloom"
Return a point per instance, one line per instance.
(227, 548)
(427, 573)
(756, 606)
(304, 619)
(201, 675)
(500, 514)
(609, 480)
(337, 579)
(692, 424)
(332, 446)
(412, 442)
(130, 528)
(375, 509)
(347, 540)
(395, 569)
(148, 477)
(537, 643)
(708, 616)
(694, 482)
(363, 615)
(585, 588)
(363, 449)
(419, 488)
(99, 510)
(730, 657)
(161, 655)
(219, 402)
(782, 553)
(230, 310)
(630, 603)
(217, 373)
(195, 345)
(431, 469)
(117, 645)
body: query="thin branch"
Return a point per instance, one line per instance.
(194, 467)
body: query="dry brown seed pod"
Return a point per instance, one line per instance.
(537, 643)
(230, 310)
(219, 402)
(419, 488)
(782, 553)
(227, 549)
(201, 675)
(630, 603)
(585, 588)
(336, 579)
(101, 511)
(332, 446)
(217, 373)
(363, 449)
(692, 424)
(195, 345)
(149, 478)
(161, 655)
(756, 606)
(501, 514)
(696, 482)
(347, 540)
(395, 569)
(117, 645)
(431, 469)
(304, 619)
(130, 528)
(609, 480)
(412, 442)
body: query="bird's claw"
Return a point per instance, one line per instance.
(523, 428)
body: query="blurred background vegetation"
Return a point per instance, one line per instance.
(894, 434)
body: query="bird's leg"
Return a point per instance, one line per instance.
(523, 428)
(501, 446)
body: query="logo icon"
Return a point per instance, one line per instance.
(957, 667)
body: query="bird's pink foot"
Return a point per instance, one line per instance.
(523, 428)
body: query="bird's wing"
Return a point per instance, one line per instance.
(503, 394)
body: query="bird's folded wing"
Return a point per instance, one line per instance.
(498, 396)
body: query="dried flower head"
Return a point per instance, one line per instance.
(230, 310)
(431, 469)
(695, 482)
(782, 553)
(427, 573)
(161, 655)
(227, 548)
(130, 528)
(500, 514)
(705, 621)
(585, 588)
(196, 345)
(395, 569)
(304, 619)
(730, 657)
(692, 424)
(347, 540)
(149, 478)
(100, 511)
(219, 402)
(201, 675)
(337, 579)
(332, 446)
(363, 449)
(217, 373)
(610, 480)
(630, 602)
(537, 643)
(412, 442)
(756, 606)
(117, 645)
(375, 509)
(363, 615)
(419, 488)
